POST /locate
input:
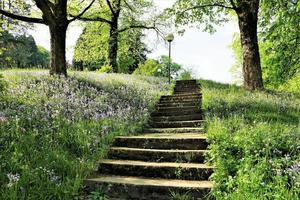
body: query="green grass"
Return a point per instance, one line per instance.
(54, 130)
(255, 142)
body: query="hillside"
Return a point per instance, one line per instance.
(54, 130)
(255, 142)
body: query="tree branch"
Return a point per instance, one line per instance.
(207, 5)
(110, 7)
(233, 4)
(83, 12)
(129, 6)
(96, 19)
(22, 18)
(137, 27)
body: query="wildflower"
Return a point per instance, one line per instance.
(13, 179)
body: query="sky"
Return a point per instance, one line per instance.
(207, 55)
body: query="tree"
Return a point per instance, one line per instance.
(91, 50)
(21, 51)
(280, 53)
(280, 40)
(160, 67)
(55, 16)
(111, 12)
(208, 12)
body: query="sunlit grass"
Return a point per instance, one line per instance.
(54, 130)
(255, 142)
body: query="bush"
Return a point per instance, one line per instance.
(158, 68)
(185, 75)
(150, 68)
(105, 69)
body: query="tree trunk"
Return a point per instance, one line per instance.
(58, 65)
(248, 17)
(113, 47)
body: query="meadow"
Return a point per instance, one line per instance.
(54, 130)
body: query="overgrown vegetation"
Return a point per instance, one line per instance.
(54, 129)
(255, 142)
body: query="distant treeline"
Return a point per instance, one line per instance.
(21, 51)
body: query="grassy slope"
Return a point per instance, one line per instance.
(255, 136)
(54, 130)
(255, 141)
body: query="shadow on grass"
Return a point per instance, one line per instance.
(255, 111)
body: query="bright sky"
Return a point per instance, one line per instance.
(209, 56)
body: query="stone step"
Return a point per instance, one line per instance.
(185, 171)
(185, 95)
(138, 188)
(176, 124)
(190, 82)
(176, 130)
(175, 141)
(186, 87)
(194, 100)
(178, 104)
(175, 110)
(187, 90)
(176, 113)
(178, 118)
(156, 155)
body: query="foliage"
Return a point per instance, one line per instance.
(159, 67)
(186, 74)
(292, 85)
(2, 84)
(280, 40)
(20, 51)
(92, 48)
(151, 67)
(254, 141)
(54, 130)
(236, 69)
(179, 196)
(12, 25)
(206, 17)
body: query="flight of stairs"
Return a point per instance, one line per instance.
(168, 157)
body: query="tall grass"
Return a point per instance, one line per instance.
(255, 142)
(54, 130)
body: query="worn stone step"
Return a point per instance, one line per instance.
(178, 104)
(175, 124)
(175, 141)
(138, 188)
(178, 118)
(176, 130)
(190, 82)
(156, 155)
(183, 101)
(176, 113)
(185, 95)
(185, 171)
(187, 90)
(175, 110)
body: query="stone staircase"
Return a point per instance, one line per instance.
(168, 157)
